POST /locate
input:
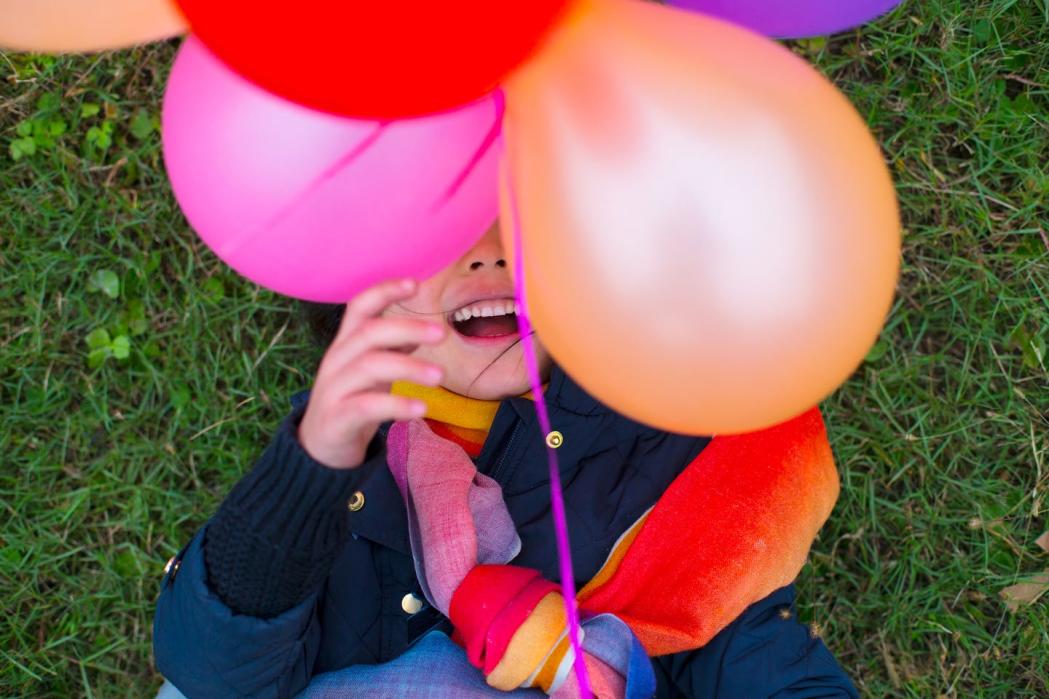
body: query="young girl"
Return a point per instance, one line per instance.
(324, 563)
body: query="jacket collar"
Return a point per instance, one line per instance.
(383, 519)
(562, 393)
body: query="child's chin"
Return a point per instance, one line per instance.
(494, 384)
(500, 392)
(496, 374)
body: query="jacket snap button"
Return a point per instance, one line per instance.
(172, 566)
(356, 501)
(555, 439)
(411, 604)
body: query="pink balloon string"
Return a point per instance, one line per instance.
(564, 554)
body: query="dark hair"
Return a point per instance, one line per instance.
(322, 320)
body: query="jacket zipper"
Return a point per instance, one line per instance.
(497, 469)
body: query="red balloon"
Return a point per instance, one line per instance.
(375, 59)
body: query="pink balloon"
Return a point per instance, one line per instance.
(318, 206)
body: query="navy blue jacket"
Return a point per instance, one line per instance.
(612, 470)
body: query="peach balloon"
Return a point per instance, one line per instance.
(85, 25)
(710, 235)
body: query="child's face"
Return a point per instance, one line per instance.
(481, 354)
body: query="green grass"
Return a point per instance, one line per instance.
(941, 436)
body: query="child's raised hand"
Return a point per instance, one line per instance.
(351, 394)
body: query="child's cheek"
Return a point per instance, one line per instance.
(438, 354)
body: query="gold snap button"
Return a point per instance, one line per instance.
(411, 604)
(172, 566)
(356, 501)
(555, 439)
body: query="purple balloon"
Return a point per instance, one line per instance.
(787, 19)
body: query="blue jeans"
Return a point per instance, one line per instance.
(168, 691)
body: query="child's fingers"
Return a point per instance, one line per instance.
(387, 333)
(379, 368)
(374, 408)
(371, 302)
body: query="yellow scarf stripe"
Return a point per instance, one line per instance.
(547, 675)
(530, 644)
(450, 408)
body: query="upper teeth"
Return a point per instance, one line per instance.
(487, 309)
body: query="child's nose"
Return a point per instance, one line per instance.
(486, 254)
(482, 263)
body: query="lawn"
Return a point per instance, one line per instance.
(139, 377)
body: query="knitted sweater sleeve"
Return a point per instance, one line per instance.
(276, 536)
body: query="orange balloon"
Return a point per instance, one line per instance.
(53, 26)
(710, 235)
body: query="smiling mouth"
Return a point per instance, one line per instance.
(496, 318)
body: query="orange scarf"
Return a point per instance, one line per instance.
(733, 527)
